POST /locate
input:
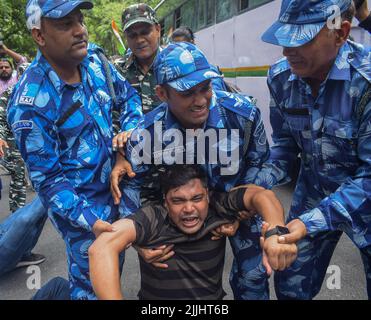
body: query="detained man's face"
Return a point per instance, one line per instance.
(188, 206)
(5, 70)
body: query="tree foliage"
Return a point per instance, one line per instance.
(13, 28)
(15, 35)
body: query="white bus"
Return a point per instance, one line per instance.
(229, 31)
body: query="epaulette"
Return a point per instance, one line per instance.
(94, 49)
(94, 52)
(279, 67)
(360, 59)
(237, 103)
(28, 86)
(154, 115)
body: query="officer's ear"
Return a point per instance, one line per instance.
(38, 37)
(158, 29)
(162, 93)
(342, 33)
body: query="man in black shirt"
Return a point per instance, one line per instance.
(186, 220)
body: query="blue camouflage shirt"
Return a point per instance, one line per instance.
(240, 131)
(68, 151)
(332, 136)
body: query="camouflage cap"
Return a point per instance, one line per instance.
(301, 20)
(182, 66)
(140, 12)
(53, 9)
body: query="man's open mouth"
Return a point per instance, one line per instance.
(190, 222)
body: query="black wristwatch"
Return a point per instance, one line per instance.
(278, 230)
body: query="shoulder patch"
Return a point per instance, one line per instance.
(22, 125)
(28, 86)
(26, 100)
(154, 115)
(360, 60)
(279, 67)
(237, 103)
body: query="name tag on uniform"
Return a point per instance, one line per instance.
(26, 100)
(297, 111)
(22, 125)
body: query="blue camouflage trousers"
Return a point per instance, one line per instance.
(78, 241)
(304, 278)
(248, 278)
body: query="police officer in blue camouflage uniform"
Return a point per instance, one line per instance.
(184, 84)
(60, 114)
(320, 110)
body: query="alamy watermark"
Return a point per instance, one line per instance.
(333, 282)
(334, 20)
(34, 280)
(189, 146)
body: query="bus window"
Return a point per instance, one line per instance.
(248, 4)
(224, 10)
(178, 18)
(187, 14)
(201, 19)
(256, 3)
(168, 24)
(243, 4)
(210, 12)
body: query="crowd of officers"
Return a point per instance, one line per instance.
(76, 119)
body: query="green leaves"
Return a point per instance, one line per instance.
(15, 35)
(13, 27)
(98, 22)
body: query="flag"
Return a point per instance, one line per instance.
(121, 47)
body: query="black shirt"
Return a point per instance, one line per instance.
(196, 269)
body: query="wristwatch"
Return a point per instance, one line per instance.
(278, 230)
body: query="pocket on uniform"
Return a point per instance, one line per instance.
(297, 122)
(299, 126)
(339, 141)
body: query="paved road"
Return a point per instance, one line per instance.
(13, 286)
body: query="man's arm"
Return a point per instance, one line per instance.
(38, 143)
(132, 173)
(4, 128)
(128, 100)
(131, 170)
(283, 153)
(348, 208)
(14, 55)
(258, 199)
(258, 149)
(104, 259)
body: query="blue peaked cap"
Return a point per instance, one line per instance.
(54, 9)
(182, 66)
(300, 21)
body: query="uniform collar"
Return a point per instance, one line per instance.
(132, 62)
(170, 121)
(56, 81)
(341, 67)
(215, 119)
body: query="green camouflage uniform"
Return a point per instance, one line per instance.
(12, 160)
(144, 83)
